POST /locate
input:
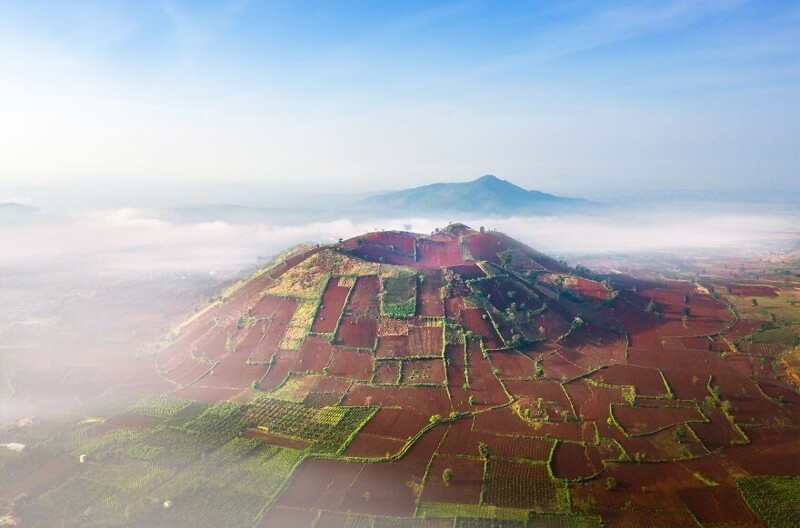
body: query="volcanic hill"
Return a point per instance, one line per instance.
(466, 375)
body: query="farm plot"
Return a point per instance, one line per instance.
(273, 317)
(686, 385)
(278, 516)
(462, 440)
(638, 420)
(232, 372)
(279, 368)
(331, 306)
(358, 332)
(508, 421)
(664, 445)
(392, 346)
(454, 479)
(570, 462)
(718, 506)
(315, 354)
(542, 399)
(387, 372)
(328, 428)
(423, 400)
(718, 432)
(364, 297)
(521, 485)
(468, 271)
(426, 341)
(649, 518)
(429, 295)
(772, 452)
(373, 446)
(592, 402)
(775, 499)
(477, 321)
(647, 381)
(351, 364)
(423, 372)
(395, 423)
(557, 366)
(399, 298)
(781, 393)
(384, 489)
(319, 484)
(435, 254)
(322, 399)
(512, 364)
(484, 386)
(377, 252)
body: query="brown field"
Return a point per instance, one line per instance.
(640, 420)
(392, 346)
(519, 485)
(425, 340)
(429, 296)
(465, 486)
(423, 372)
(331, 307)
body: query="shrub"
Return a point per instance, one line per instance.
(611, 483)
(447, 476)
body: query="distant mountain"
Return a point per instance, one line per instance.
(486, 195)
(14, 207)
(15, 212)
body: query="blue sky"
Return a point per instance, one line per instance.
(363, 95)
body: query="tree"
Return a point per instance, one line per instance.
(483, 450)
(611, 483)
(447, 476)
(679, 434)
(651, 307)
(685, 311)
(506, 258)
(255, 385)
(436, 418)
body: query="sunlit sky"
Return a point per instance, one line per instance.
(366, 95)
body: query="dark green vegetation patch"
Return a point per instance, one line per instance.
(399, 296)
(775, 499)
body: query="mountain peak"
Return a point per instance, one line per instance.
(488, 178)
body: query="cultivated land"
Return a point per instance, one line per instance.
(459, 379)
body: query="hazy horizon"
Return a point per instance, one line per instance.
(577, 99)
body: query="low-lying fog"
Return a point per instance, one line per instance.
(133, 240)
(79, 291)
